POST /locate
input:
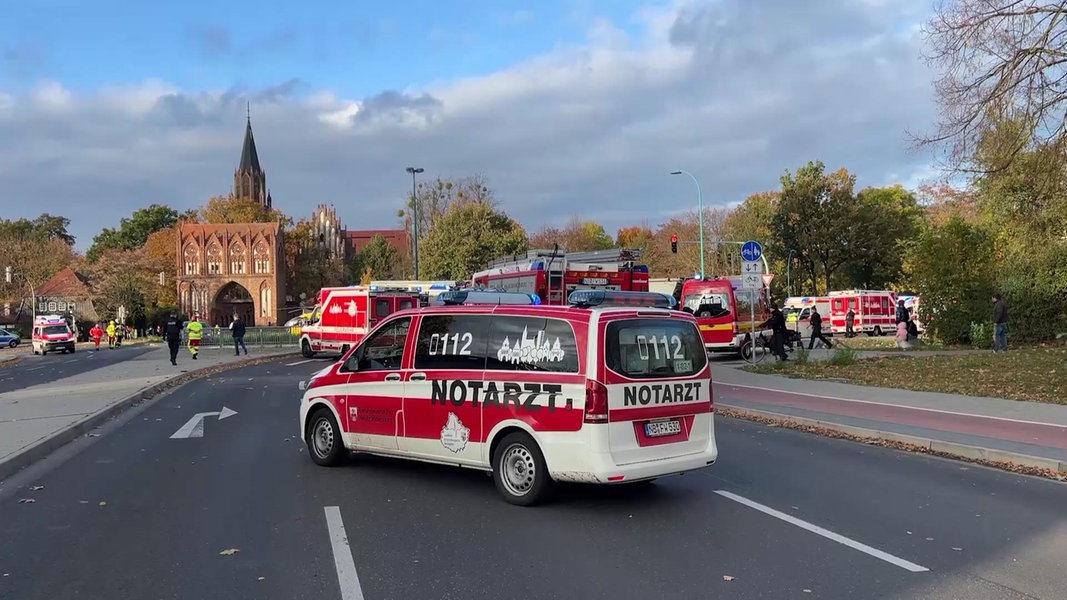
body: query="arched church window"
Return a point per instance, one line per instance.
(192, 260)
(214, 259)
(238, 259)
(261, 258)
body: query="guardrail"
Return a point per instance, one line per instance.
(255, 337)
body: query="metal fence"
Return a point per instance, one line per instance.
(260, 337)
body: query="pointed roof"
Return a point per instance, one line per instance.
(67, 283)
(249, 156)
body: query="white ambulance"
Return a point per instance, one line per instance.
(612, 389)
(51, 333)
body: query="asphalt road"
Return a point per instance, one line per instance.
(34, 370)
(421, 531)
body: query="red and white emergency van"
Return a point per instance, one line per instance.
(723, 311)
(797, 311)
(875, 311)
(553, 275)
(51, 333)
(343, 315)
(593, 392)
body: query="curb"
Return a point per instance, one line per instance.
(1016, 462)
(47, 445)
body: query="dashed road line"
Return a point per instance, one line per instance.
(342, 556)
(826, 533)
(299, 362)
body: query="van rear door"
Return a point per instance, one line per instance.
(658, 384)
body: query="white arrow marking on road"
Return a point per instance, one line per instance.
(194, 427)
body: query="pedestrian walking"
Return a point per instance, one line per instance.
(779, 332)
(237, 328)
(902, 335)
(816, 330)
(902, 313)
(850, 322)
(96, 333)
(172, 334)
(195, 331)
(111, 335)
(1000, 324)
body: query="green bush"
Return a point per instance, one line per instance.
(982, 335)
(801, 355)
(842, 356)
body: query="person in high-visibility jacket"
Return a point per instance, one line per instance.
(194, 331)
(111, 329)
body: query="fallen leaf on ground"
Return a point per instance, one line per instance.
(807, 591)
(929, 539)
(728, 578)
(27, 501)
(261, 578)
(229, 552)
(103, 504)
(37, 487)
(957, 549)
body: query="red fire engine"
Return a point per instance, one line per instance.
(554, 275)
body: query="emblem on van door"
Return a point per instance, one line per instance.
(528, 349)
(454, 435)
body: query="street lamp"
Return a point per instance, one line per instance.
(8, 277)
(415, 216)
(700, 215)
(789, 271)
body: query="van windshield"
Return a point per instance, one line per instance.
(55, 330)
(707, 304)
(654, 348)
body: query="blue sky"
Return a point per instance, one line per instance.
(569, 108)
(356, 48)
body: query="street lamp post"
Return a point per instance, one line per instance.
(415, 216)
(789, 272)
(700, 215)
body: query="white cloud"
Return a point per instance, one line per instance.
(733, 91)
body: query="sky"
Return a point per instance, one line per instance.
(567, 107)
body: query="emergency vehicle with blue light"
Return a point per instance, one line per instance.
(343, 315)
(51, 333)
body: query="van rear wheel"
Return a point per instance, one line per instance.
(519, 470)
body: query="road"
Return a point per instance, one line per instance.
(136, 514)
(34, 370)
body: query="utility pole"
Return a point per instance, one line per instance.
(415, 217)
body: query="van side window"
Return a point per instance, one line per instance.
(406, 304)
(452, 342)
(531, 344)
(383, 351)
(381, 307)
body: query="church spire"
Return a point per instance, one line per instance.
(249, 180)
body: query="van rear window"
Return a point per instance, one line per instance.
(654, 348)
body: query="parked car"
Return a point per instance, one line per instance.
(9, 339)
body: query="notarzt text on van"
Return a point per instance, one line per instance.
(521, 395)
(661, 394)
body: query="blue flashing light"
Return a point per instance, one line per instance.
(485, 297)
(640, 269)
(536, 299)
(590, 298)
(374, 288)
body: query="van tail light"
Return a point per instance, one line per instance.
(596, 402)
(733, 327)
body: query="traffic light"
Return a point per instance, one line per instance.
(674, 244)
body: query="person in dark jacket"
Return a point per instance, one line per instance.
(172, 333)
(850, 322)
(1000, 324)
(237, 327)
(816, 330)
(779, 332)
(902, 313)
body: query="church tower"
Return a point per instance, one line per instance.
(249, 180)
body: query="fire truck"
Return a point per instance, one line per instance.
(343, 315)
(875, 311)
(724, 311)
(553, 275)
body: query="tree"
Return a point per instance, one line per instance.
(432, 199)
(35, 250)
(577, 236)
(663, 263)
(159, 255)
(950, 267)
(942, 202)
(230, 209)
(121, 278)
(46, 227)
(888, 219)
(635, 236)
(818, 217)
(1000, 59)
(310, 266)
(133, 231)
(382, 258)
(753, 219)
(466, 237)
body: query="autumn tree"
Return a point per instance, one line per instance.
(122, 278)
(310, 265)
(941, 202)
(432, 199)
(133, 231)
(577, 235)
(35, 250)
(635, 236)
(753, 219)
(999, 60)
(663, 263)
(466, 237)
(231, 209)
(885, 225)
(381, 257)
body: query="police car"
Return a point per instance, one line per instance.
(612, 389)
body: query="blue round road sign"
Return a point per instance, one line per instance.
(751, 251)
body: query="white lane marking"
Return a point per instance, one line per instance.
(342, 556)
(194, 427)
(889, 558)
(36, 368)
(299, 362)
(934, 410)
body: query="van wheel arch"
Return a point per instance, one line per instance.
(305, 348)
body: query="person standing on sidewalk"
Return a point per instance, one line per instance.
(195, 331)
(779, 332)
(172, 334)
(237, 327)
(1000, 324)
(850, 322)
(816, 330)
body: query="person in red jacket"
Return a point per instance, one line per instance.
(96, 333)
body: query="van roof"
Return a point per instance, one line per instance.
(569, 313)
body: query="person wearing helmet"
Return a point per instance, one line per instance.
(195, 331)
(111, 334)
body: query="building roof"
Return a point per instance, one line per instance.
(205, 229)
(359, 238)
(66, 283)
(249, 157)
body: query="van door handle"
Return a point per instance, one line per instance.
(417, 377)
(393, 377)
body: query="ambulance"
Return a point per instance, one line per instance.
(51, 333)
(724, 311)
(797, 311)
(875, 311)
(591, 392)
(343, 315)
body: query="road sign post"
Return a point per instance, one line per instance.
(752, 282)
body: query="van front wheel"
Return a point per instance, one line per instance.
(519, 470)
(324, 441)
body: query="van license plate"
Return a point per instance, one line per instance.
(661, 428)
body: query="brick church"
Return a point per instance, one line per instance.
(228, 269)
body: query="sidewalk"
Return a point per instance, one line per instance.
(36, 420)
(987, 429)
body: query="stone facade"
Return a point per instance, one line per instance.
(229, 269)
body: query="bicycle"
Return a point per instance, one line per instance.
(755, 354)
